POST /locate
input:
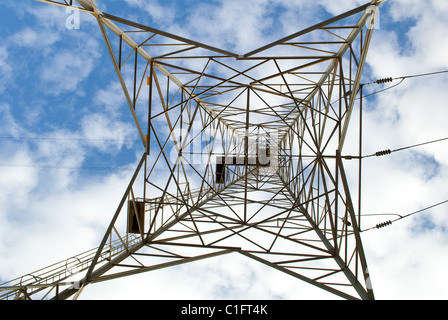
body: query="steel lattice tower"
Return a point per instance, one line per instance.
(240, 153)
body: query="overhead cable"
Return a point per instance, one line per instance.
(389, 222)
(402, 78)
(389, 151)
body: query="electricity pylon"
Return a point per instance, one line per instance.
(240, 153)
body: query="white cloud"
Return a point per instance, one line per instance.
(104, 133)
(408, 265)
(229, 24)
(30, 38)
(65, 70)
(44, 197)
(79, 213)
(61, 70)
(9, 127)
(17, 184)
(111, 98)
(161, 14)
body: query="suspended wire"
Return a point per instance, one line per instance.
(388, 88)
(388, 151)
(65, 139)
(420, 144)
(389, 222)
(63, 167)
(390, 79)
(66, 167)
(384, 80)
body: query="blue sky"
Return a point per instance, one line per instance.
(69, 145)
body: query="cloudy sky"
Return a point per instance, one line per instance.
(69, 145)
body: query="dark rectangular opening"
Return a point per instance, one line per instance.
(136, 218)
(220, 172)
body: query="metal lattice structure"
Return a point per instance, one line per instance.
(240, 153)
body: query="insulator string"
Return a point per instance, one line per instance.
(389, 222)
(391, 79)
(389, 151)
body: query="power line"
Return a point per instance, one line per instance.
(65, 139)
(388, 88)
(386, 152)
(389, 222)
(389, 151)
(62, 167)
(390, 79)
(420, 144)
(402, 78)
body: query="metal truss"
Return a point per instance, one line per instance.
(240, 153)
